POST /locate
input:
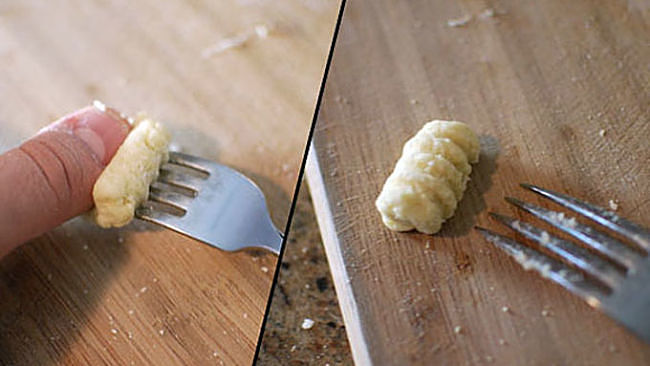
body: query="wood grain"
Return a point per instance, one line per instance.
(143, 295)
(538, 81)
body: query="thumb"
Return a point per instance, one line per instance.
(49, 178)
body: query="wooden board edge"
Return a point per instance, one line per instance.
(344, 291)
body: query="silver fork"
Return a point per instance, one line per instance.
(210, 203)
(613, 276)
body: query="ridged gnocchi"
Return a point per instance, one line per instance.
(124, 183)
(429, 178)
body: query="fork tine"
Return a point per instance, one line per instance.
(188, 161)
(612, 248)
(580, 257)
(177, 200)
(546, 266)
(165, 219)
(630, 230)
(180, 180)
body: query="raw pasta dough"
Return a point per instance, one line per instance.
(429, 178)
(124, 183)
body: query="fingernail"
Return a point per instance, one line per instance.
(102, 129)
(112, 112)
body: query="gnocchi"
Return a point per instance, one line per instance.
(124, 183)
(429, 178)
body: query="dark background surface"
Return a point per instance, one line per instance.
(304, 290)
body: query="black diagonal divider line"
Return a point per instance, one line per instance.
(299, 180)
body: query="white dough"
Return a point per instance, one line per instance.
(437, 166)
(124, 183)
(459, 133)
(429, 178)
(425, 141)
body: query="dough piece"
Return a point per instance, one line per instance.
(426, 142)
(429, 178)
(124, 183)
(404, 207)
(436, 166)
(459, 133)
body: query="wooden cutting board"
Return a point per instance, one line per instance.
(539, 81)
(143, 295)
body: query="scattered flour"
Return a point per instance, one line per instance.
(307, 323)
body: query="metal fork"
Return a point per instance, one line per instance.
(211, 203)
(611, 276)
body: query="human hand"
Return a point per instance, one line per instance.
(50, 177)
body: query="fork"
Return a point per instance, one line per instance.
(211, 203)
(612, 276)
